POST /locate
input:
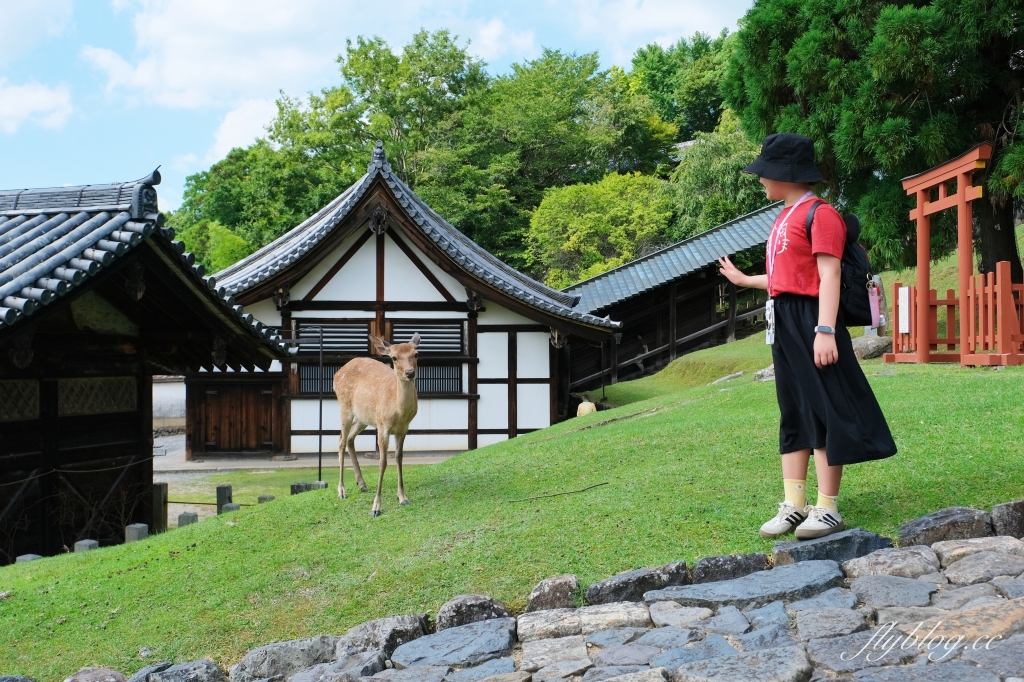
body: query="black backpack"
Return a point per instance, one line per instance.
(857, 277)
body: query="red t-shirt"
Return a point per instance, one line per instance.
(794, 269)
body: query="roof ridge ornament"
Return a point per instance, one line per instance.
(379, 220)
(379, 160)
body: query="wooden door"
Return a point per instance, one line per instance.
(239, 418)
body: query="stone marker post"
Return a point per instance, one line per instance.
(159, 507)
(186, 518)
(265, 498)
(86, 545)
(231, 507)
(135, 532)
(300, 487)
(223, 496)
(319, 485)
(27, 557)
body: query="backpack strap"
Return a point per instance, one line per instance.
(810, 220)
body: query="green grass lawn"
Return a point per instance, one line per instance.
(690, 472)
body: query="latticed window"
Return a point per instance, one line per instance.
(435, 337)
(19, 400)
(96, 396)
(313, 378)
(439, 379)
(339, 337)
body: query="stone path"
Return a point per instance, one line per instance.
(854, 609)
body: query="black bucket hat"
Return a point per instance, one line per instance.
(786, 157)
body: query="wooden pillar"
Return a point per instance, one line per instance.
(673, 305)
(380, 285)
(473, 388)
(965, 257)
(615, 357)
(924, 250)
(553, 383)
(513, 387)
(731, 326)
(1005, 313)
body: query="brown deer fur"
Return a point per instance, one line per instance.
(371, 393)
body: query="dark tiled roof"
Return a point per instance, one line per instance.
(474, 260)
(54, 240)
(689, 255)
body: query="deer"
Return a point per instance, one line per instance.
(371, 393)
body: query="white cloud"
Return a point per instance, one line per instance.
(624, 25)
(46, 106)
(494, 40)
(241, 126)
(23, 24)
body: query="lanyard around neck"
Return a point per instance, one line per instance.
(773, 239)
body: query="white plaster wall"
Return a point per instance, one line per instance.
(492, 349)
(403, 281)
(169, 399)
(485, 439)
(454, 287)
(533, 406)
(357, 281)
(266, 312)
(493, 410)
(419, 443)
(495, 314)
(532, 355)
(441, 414)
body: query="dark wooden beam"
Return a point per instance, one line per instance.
(379, 306)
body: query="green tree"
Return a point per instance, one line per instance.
(888, 91)
(214, 245)
(684, 81)
(582, 230)
(709, 184)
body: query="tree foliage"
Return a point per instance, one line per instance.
(709, 185)
(582, 230)
(215, 246)
(888, 91)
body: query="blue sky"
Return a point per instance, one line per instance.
(106, 90)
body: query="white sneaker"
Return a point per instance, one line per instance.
(788, 518)
(821, 521)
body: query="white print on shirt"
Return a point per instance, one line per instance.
(781, 239)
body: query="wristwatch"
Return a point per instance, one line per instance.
(825, 329)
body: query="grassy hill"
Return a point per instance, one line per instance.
(691, 472)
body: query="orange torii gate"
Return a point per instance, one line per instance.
(990, 308)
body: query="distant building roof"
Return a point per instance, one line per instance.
(689, 255)
(473, 259)
(55, 241)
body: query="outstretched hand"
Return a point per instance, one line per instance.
(730, 271)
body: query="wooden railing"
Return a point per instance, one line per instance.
(995, 309)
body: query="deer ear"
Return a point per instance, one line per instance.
(382, 346)
(415, 340)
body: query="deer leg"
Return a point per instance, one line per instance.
(399, 445)
(341, 458)
(382, 446)
(360, 481)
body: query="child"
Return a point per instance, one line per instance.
(825, 401)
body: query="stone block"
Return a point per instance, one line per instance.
(712, 646)
(890, 590)
(773, 613)
(1008, 519)
(318, 485)
(871, 346)
(194, 671)
(548, 624)
(785, 664)
(135, 532)
(186, 518)
(770, 637)
(947, 671)
(728, 621)
(651, 675)
(957, 598)
(422, 673)
(1011, 588)
(836, 598)
(563, 669)
(906, 562)
(1005, 658)
(631, 585)
(383, 634)
(284, 658)
(465, 645)
(983, 566)
(300, 487)
(264, 498)
(558, 592)
(669, 637)
(850, 653)
(626, 654)
(520, 676)
(608, 672)
(143, 674)
(540, 653)
(951, 523)
(469, 608)
(793, 581)
(938, 578)
(665, 613)
(615, 615)
(614, 636)
(728, 566)
(949, 551)
(495, 666)
(96, 675)
(86, 545)
(230, 507)
(818, 623)
(839, 547)
(991, 620)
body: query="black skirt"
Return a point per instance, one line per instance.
(832, 407)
